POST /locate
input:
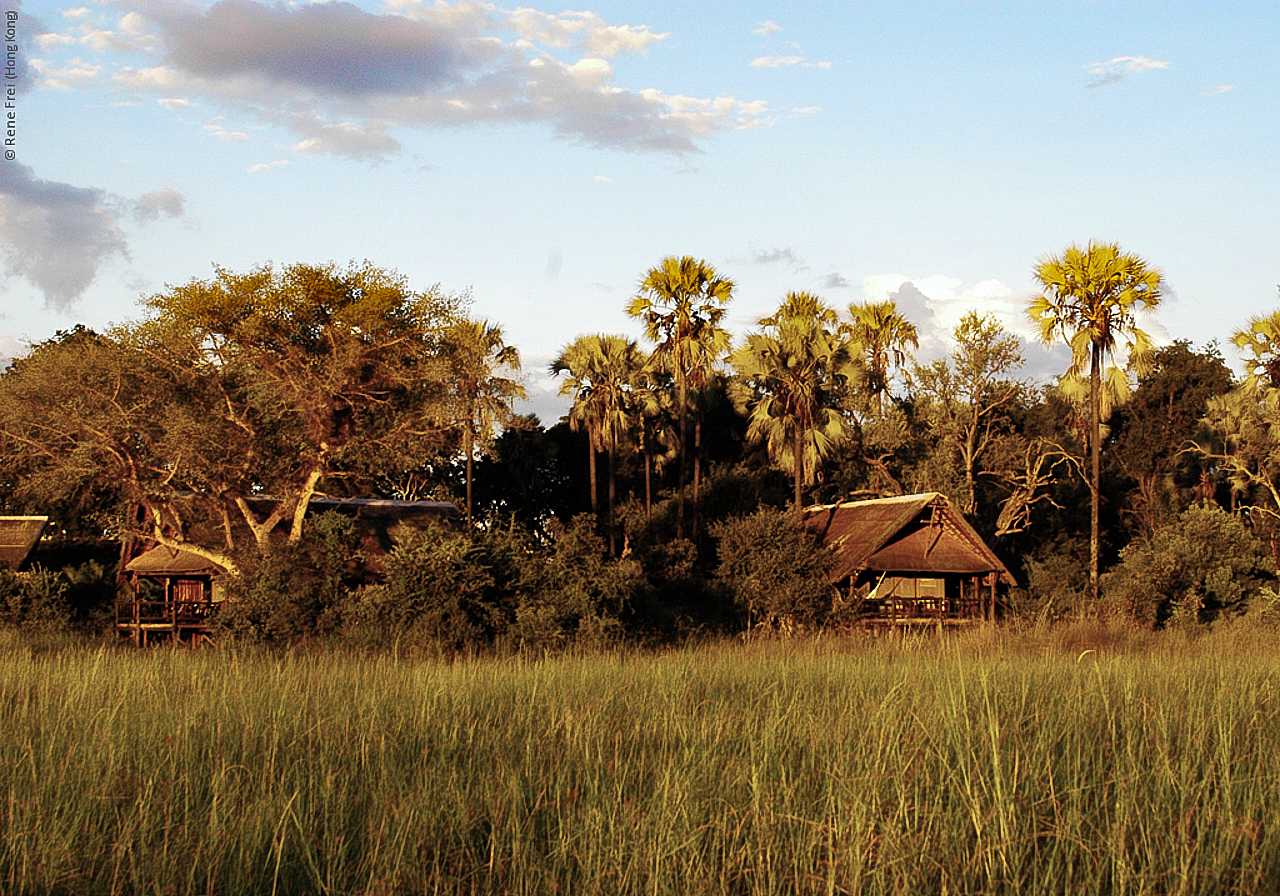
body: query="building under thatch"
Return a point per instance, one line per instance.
(909, 558)
(180, 603)
(18, 538)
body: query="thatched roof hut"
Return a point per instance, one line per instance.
(915, 553)
(18, 538)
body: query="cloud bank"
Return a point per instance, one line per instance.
(343, 80)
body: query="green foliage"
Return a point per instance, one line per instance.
(574, 592)
(792, 379)
(1205, 565)
(296, 592)
(1056, 583)
(34, 601)
(775, 569)
(438, 592)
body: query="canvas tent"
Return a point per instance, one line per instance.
(909, 557)
(18, 538)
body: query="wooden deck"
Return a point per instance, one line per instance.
(182, 621)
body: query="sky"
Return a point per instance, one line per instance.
(542, 159)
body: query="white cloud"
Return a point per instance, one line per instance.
(602, 179)
(216, 129)
(1220, 89)
(174, 102)
(935, 304)
(786, 62)
(418, 64)
(168, 203)
(1117, 68)
(776, 61)
(584, 30)
(268, 166)
(76, 73)
(10, 348)
(767, 28)
(55, 235)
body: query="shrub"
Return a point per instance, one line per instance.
(1204, 565)
(572, 592)
(33, 601)
(775, 570)
(295, 592)
(438, 591)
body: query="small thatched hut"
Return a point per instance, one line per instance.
(909, 558)
(182, 609)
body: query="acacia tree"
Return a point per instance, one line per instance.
(682, 303)
(477, 355)
(1091, 301)
(792, 376)
(243, 388)
(970, 393)
(88, 423)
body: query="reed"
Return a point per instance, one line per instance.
(988, 764)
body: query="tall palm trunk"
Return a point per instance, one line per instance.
(613, 497)
(591, 466)
(1095, 450)
(467, 441)
(648, 482)
(697, 470)
(799, 477)
(684, 454)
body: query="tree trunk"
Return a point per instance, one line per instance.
(697, 470)
(304, 502)
(591, 466)
(799, 478)
(683, 398)
(648, 483)
(467, 448)
(1095, 479)
(613, 496)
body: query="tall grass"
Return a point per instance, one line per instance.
(980, 765)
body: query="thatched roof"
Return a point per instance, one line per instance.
(18, 537)
(167, 561)
(910, 534)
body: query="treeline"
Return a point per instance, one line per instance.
(1142, 483)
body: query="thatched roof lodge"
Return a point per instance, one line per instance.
(909, 558)
(18, 538)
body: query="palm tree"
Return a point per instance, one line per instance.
(793, 375)
(477, 352)
(603, 374)
(682, 302)
(1091, 300)
(655, 423)
(884, 335)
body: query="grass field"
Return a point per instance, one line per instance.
(984, 764)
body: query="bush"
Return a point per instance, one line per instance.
(1057, 583)
(573, 592)
(1205, 565)
(438, 591)
(776, 571)
(295, 592)
(33, 601)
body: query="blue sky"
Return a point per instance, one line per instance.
(543, 159)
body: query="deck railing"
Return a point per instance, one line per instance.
(176, 613)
